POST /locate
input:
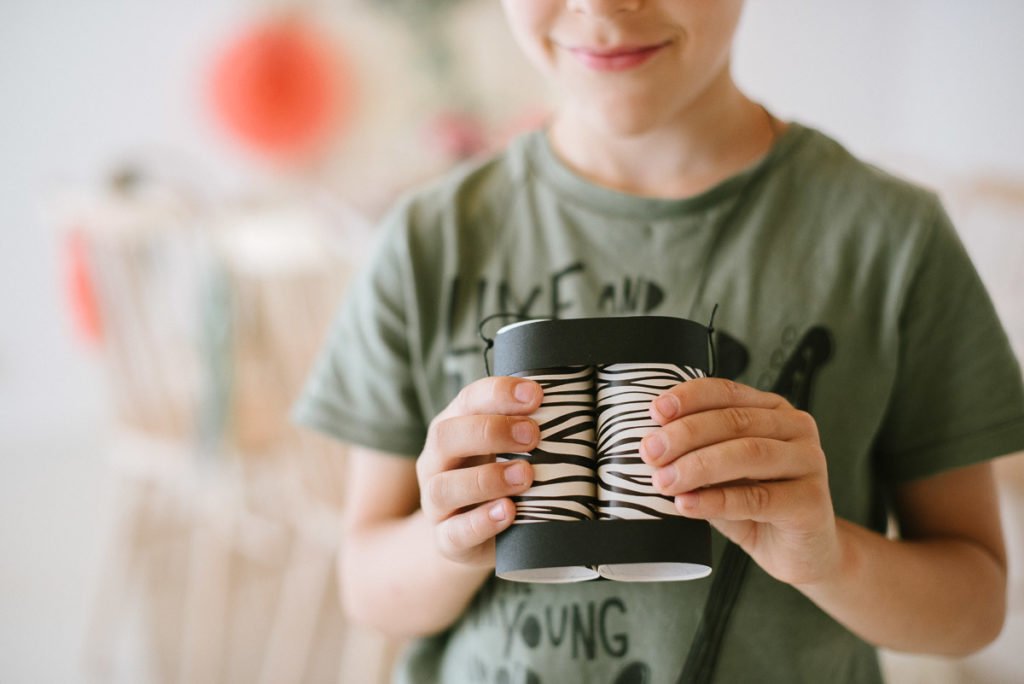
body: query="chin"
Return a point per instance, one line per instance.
(625, 113)
(623, 120)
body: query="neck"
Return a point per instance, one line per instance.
(718, 135)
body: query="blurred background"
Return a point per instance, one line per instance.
(186, 189)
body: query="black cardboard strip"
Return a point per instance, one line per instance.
(594, 341)
(528, 546)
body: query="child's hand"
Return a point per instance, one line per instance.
(753, 466)
(463, 492)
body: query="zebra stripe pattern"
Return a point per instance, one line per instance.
(563, 462)
(624, 395)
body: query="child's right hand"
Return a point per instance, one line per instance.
(463, 491)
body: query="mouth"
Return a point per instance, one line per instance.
(619, 58)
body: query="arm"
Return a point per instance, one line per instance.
(941, 588)
(420, 534)
(392, 576)
(752, 464)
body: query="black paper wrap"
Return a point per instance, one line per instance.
(595, 341)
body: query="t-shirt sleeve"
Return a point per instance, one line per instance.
(958, 396)
(362, 388)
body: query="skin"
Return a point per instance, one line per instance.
(420, 536)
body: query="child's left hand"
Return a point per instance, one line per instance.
(752, 465)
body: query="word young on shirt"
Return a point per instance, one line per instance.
(589, 630)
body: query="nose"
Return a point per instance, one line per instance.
(603, 7)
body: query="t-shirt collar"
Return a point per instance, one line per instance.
(551, 170)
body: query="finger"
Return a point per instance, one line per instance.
(766, 502)
(737, 459)
(461, 536)
(694, 431)
(450, 491)
(451, 441)
(706, 394)
(495, 395)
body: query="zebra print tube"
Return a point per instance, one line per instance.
(563, 462)
(624, 395)
(564, 483)
(625, 483)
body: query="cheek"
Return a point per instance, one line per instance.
(527, 17)
(531, 22)
(713, 26)
(530, 19)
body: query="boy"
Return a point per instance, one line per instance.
(873, 379)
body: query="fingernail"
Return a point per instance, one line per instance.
(688, 501)
(667, 405)
(664, 477)
(522, 432)
(525, 392)
(515, 474)
(653, 446)
(497, 512)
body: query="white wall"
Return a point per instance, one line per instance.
(932, 80)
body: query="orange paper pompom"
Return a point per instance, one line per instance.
(282, 89)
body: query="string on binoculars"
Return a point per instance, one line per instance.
(489, 341)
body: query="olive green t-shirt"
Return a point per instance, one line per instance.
(838, 286)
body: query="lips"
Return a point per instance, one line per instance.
(618, 58)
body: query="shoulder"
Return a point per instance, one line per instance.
(865, 225)
(474, 193)
(454, 219)
(848, 185)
